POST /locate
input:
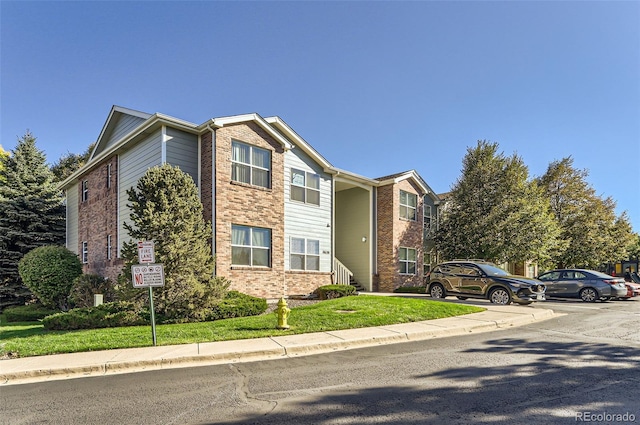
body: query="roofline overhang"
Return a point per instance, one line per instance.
(154, 121)
(284, 128)
(237, 119)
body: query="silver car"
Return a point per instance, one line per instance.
(588, 285)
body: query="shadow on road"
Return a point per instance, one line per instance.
(564, 381)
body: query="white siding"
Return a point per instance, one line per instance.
(72, 218)
(182, 151)
(307, 220)
(133, 164)
(124, 125)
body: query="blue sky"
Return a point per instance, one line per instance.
(375, 87)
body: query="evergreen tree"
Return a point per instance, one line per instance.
(592, 232)
(167, 210)
(3, 157)
(495, 212)
(32, 214)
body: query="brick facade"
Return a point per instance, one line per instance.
(98, 218)
(401, 233)
(242, 204)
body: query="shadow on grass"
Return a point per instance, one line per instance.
(562, 381)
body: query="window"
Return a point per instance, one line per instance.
(407, 260)
(250, 164)
(428, 227)
(250, 246)
(426, 262)
(85, 253)
(85, 190)
(108, 247)
(408, 202)
(108, 176)
(305, 254)
(305, 187)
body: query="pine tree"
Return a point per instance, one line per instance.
(32, 214)
(167, 210)
(495, 212)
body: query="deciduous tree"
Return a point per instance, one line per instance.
(590, 229)
(70, 162)
(495, 212)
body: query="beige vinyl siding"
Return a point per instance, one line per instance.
(124, 125)
(182, 151)
(353, 208)
(72, 218)
(133, 164)
(303, 220)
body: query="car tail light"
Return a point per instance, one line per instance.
(612, 281)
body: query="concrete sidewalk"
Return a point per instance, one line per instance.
(109, 362)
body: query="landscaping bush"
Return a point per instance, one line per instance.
(329, 292)
(237, 304)
(411, 289)
(27, 313)
(109, 315)
(86, 286)
(49, 271)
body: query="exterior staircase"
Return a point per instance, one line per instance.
(343, 276)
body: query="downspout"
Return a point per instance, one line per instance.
(213, 191)
(333, 226)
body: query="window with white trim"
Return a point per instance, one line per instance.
(250, 164)
(305, 254)
(426, 263)
(85, 253)
(305, 187)
(108, 247)
(250, 246)
(428, 223)
(85, 190)
(408, 204)
(407, 264)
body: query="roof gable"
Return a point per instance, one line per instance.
(120, 122)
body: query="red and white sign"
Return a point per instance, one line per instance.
(146, 254)
(146, 275)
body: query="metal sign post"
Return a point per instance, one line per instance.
(148, 275)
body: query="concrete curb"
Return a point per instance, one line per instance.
(111, 362)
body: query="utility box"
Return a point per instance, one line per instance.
(98, 299)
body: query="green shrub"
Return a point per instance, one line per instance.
(49, 271)
(108, 315)
(86, 286)
(27, 313)
(237, 304)
(411, 289)
(328, 292)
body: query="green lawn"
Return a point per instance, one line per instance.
(30, 339)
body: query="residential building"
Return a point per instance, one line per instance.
(285, 221)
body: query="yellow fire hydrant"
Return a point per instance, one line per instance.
(283, 313)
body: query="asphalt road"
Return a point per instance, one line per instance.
(581, 367)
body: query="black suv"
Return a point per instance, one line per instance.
(481, 279)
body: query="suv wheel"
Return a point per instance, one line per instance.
(437, 291)
(589, 295)
(500, 296)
